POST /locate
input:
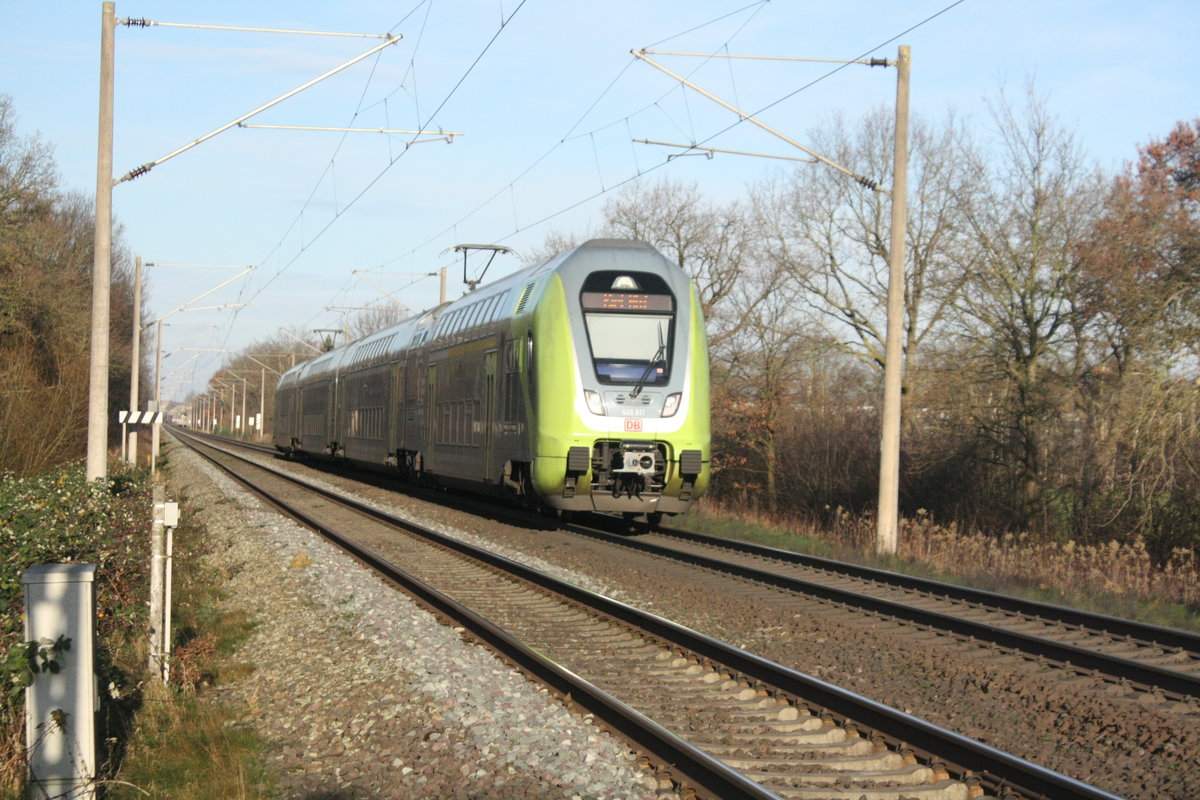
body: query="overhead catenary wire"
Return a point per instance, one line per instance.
(304, 245)
(298, 220)
(144, 168)
(641, 172)
(747, 117)
(138, 22)
(709, 150)
(442, 135)
(510, 187)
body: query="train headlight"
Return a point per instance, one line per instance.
(672, 404)
(595, 402)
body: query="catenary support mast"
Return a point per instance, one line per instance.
(97, 428)
(887, 536)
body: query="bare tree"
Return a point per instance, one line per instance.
(832, 235)
(28, 176)
(45, 305)
(554, 243)
(760, 371)
(369, 320)
(1142, 264)
(1029, 215)
(1134, 463)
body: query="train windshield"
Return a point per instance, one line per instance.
(630, 321)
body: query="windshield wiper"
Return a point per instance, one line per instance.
(655, 359)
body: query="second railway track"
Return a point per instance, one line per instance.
(798, 737)
(1123, 655)
(1143, 657)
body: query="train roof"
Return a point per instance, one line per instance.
(479, 306)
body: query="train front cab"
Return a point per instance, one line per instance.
(633, 437)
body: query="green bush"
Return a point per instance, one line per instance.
(58, 517)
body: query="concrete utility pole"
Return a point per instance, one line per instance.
(887, 523)
(887, 536)
(97, 427)
(97, 430)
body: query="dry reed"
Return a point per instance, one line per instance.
(1123, 570)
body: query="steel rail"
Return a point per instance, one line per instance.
(1116, 667)
(1156, 634)
(996, 769)
(697, 767)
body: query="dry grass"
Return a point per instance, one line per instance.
(12, 770)
(1111, 578)
(186, 747)
(1121, 570)
(186, 744)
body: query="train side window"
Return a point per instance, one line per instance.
(510, 356)
(512, 386)
(501, 301)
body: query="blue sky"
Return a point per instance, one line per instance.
(548, 98)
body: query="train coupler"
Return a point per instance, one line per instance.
(633, 468)
(629, 484)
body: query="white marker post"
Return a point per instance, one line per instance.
(60, 706)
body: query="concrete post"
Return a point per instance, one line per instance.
(97, 429)
(60, 707)
(887, 534)
(158, 494)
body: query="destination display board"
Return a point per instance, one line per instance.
(626, 301)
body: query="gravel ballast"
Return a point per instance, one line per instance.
(1132, 745)
(366, 694)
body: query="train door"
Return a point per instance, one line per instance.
(414, 391)
(432, 418)
(337, 404)
(489, 415)
(395, 408)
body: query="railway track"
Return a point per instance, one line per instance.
(752, 727)
(1118, 654)
(1124, 653)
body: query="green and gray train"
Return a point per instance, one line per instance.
(577, 384)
